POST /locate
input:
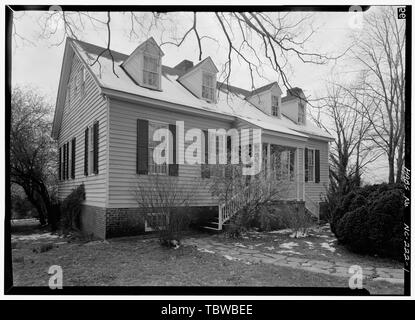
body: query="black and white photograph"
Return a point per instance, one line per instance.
(208, 150)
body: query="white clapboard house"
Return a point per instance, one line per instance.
(107, 111)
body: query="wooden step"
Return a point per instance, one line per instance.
(211, 228)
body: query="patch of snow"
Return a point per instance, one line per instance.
(230, 257)
(289, 251)
(288, 245)
(205, 250)
(259, 244)
(269, 248)
(299, 234)
(239, 245)
(34, 237)
(310, 244)
(322, 236)
(282, 231)
(327, 246)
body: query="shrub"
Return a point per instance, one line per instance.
(276, 216)
(169, 226)
(371, 220)
(70, 209)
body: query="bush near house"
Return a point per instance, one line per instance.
(70, 209)
(369, 220)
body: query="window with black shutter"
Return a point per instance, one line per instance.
(173, 167)
(205, 166)
(96, 146)
(317, 165)
(142, 146)
(86, 152)
(67, 161)
(60, 164)
(73, 157)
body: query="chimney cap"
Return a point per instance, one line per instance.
(184, 66)
(296, 91)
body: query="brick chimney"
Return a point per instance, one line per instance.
(184, 66)
(296, 92)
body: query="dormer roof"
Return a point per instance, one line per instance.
(207, 61)
(150, 43)
(113, 81)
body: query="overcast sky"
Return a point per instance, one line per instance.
(37, 62)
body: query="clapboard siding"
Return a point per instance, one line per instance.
(317, 191)
(123, 148)
(82, 112)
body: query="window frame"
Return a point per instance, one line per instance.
(275, 107)
(301, 113)
(147, 70)
(208, 88)
(150, 149)
(90, 163)
(313, 165)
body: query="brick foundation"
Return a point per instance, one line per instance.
(93, 221)
(116, 222)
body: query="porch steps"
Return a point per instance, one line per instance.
(213, 225)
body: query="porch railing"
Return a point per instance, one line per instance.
(231, 207)
(311, 205)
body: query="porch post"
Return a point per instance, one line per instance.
(297, 169)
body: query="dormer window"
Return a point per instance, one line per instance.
(208, 86)
(151, 74)
(275, 106)
(301, 113)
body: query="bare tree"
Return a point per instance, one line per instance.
(352, 148)
(380, 93)
(33, 151)
(164, 202)
(258, 40)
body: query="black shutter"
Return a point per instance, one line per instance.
(292, 164)
(228, 166)
(306, 164)
(73, 148)
(96, 146)
(67, 160)
(60, 164)
(317, 165)
(142, 146)
(173, 167)
(205, 166)
(86, 152)
(64, 161)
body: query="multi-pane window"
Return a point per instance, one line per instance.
(151, 71)
(311, 165)
(208, 86)
(275, 108)
(301, 113)
(91, 150)
(282, 162)
(153, 167)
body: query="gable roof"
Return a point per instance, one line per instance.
(198, 65)
(262, 89)
(230, 104)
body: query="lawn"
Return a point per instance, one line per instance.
(143, 262)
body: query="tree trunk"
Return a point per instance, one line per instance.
(391, 170)
(399, 162)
